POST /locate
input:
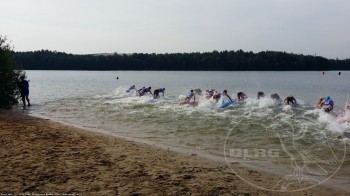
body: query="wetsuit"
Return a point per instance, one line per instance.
(157, 91)
(143, 91)
(190, 95)
(329, 105)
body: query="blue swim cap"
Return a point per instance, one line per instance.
(328, 97)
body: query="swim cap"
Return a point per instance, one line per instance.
(328, 97)
(163, 89)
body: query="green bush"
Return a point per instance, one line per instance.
(9, 76)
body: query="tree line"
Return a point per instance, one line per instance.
(207, 61)
(9, 75)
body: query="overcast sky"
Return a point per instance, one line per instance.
(319, 27)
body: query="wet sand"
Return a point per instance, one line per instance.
(44, 157)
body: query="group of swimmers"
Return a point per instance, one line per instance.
(142, 91)
(325, 103)
(216, 96)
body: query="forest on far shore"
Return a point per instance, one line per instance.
(207, 61)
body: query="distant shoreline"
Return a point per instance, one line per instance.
(193, 70)
(207, 61)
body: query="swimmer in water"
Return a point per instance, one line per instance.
(319, 103)
(189, 97)
(140, 89)
(328, 104)
(290, 100)
(144, 91)
(241, 96)
(157, 91)
(209, 93)
(224, 93)
(276, 97)
(260, 95)
(216, 96)
(131, 88)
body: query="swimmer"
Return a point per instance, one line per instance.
(319, 103)
(131, 88)
(209, 93)
(157, 91)
(224, 93)
(144, 91)
(260, 95)
(216, 96)
(328, 104)
(189, 97)
(138, 91)
(241, 96)
(276, 97)
(290, 100)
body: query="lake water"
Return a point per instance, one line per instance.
(258, 133)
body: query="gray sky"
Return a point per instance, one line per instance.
(319, 27)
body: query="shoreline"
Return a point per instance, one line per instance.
(42, 156)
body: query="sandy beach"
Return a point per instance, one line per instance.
(39, 156)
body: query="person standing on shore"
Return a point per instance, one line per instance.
(24, 88)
